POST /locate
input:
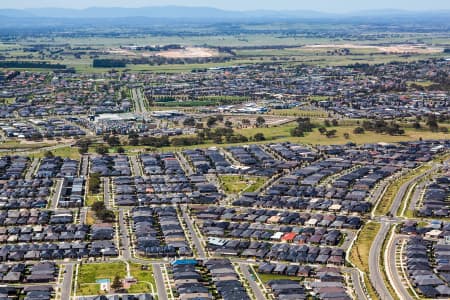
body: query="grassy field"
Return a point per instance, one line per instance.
(91, 199)
(235, 184)
(287, 49)
(89, 273)
(359, 254)
(267, 277)
(282, 133)
(70, 152)
(273, 134)
(145, 278)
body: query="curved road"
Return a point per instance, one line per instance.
(376, 275)
(357, 286)
(391, 269)
(375, 272)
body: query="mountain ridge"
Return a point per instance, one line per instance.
(200, 12)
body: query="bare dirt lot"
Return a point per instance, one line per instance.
(418, 49)
(188, 52)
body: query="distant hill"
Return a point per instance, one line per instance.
(160, 12)
(155, 14)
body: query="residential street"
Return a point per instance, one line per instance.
(67, 282)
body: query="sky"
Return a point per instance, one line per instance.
(335, 6)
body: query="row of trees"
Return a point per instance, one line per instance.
(31, 65)
(94, 183)
(381, 126)
(303, 125)
(109, 63)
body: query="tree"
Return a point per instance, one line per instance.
(228, 124)
(113, 141)
(297, 132)
(346, 135)
(217, 139)
(94, 183)
(334, 122)
(98, 206)
(219, 118)
(101, 149)
(106, 215)
(117, 283)
(322, 130)
(133, 142)
(432, 123)
(416, 125)
(48, 154)
(330, 133)
(83, 145)
(358, 130)
(189, 122)
(211, 121)
(120, 150)
(259, 137)
(83, 149)
(305, 125)
(245, 122)
(260, 121)
(327, 123)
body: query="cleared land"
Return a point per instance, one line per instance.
(400, 48)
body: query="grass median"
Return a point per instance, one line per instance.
(359, 254)
(388, 198)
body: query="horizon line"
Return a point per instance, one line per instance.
(386, 9)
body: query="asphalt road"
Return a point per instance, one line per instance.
(106, 196)
(198, 245)
(416, 196)
(125, 241)
(375, 275)
(138, 99)
(160, 286)
(374, 256)
(84, 169)
(185, 164)
(356, 279)
(137, 171)
(57, 194)
(83, 213)
(405, 187)
(66, 287)
(391, 270)
(30, 172)
(259, 295)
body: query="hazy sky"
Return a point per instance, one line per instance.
(320, 5)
